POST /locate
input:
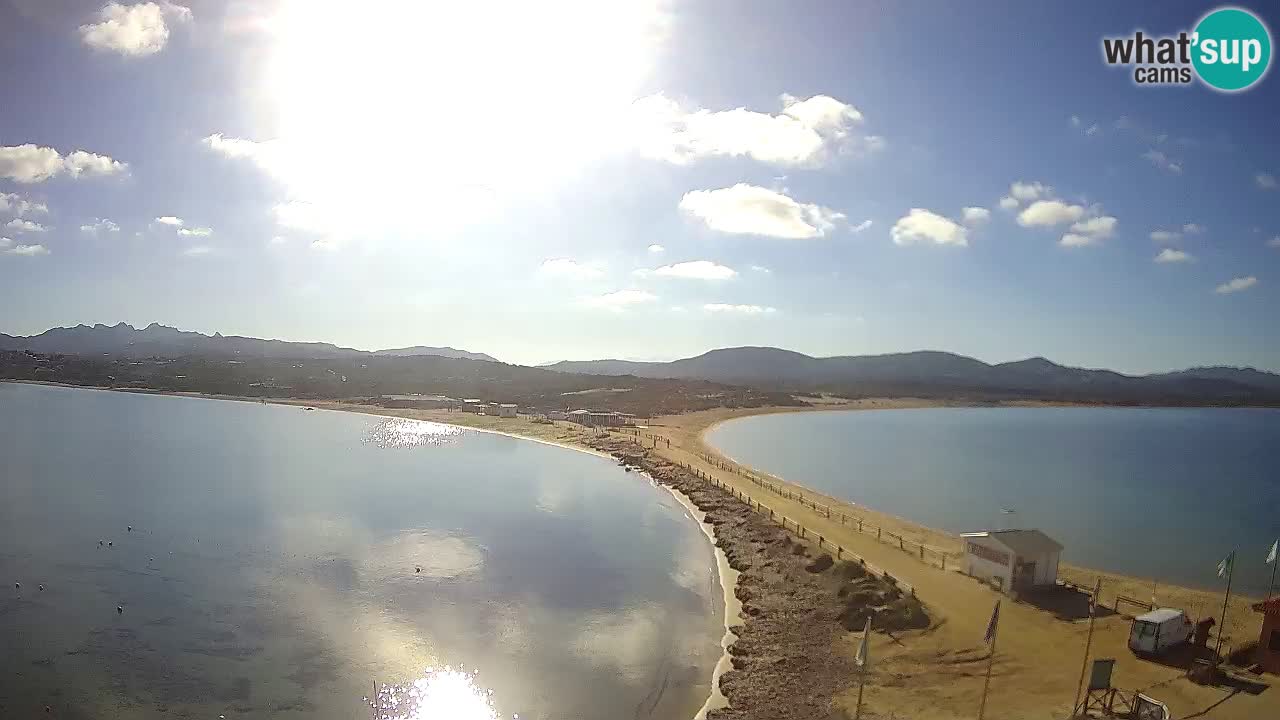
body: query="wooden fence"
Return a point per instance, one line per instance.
(920, 551)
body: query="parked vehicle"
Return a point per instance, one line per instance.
(1159, 630)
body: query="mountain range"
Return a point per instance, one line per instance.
(942, 374)
(156, 340)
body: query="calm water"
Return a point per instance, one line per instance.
(271, 569)
(1163, 493)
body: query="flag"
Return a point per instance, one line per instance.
(1224, 567)
(864, 650)
(991, 626)
(1271, 556)
(1094, 599)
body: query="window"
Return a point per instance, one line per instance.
(1273, 644)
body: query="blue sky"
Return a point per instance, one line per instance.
(384, 174)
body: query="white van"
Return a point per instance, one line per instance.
(1159, 630)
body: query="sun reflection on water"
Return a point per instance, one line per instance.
(440, 694)
(402, 433)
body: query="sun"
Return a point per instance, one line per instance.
(403, 98)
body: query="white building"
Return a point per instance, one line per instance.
(507, 410)
(557, 415)
(1012, 559)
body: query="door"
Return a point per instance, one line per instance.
(1025, 576)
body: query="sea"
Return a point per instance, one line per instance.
(1159, 494)
(189, 558)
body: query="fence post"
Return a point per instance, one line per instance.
(859, 524)
(921, 553)
(879, 533)
(901, 546)
(839, 552)
(944, 562)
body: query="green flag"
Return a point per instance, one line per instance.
(1271, 556)
(1224, 567)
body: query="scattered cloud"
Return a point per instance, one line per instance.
(1100, 227)
(9, 247)
(864, 225)
(196, 232)
(1236, 284)
(1077, 240)
(32, 164)
(1092, 130)
(133, 30)
(761, 269)
(19, 206)
(752, 210)
(1165, 235)
(100, 225)
(924, 226)
(1274, 242)
(1023, 191)
(696, 270)
(1075, 121)
(1192, 229)
(1008, 202)
(1164, 162)
(1169, 255)
(1266, 181)
(1047, 213)
(568, 267)
(169, 220)
(741, 309)
(197, 251)
(806, 133)
(972, 216)
(620, 299)
(20, 225)
(656, 248)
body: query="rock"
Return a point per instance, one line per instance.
(820, 564)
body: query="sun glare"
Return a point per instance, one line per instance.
(405, 97)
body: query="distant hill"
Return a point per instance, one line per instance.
(436, 351)
(156, 340)
(934, 374)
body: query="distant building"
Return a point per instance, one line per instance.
(595, 418)
(1269, 638)
(1012, 560)
(425, 402)
(507, 410)
(557, 415)
(474, 405)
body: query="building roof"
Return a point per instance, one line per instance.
(1023, 542)
(1270, 607)
(1159, 615)
(507, 405)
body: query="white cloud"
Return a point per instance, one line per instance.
(806, 133)
(1165, 235)
(1100, 227)
(1023, 191)
(197, 251)
(169, 220)
(1274, 242)
(18, 206)
(8, 247)
(656, 248)
(1075, 240)
(1164, 162)
(1192, 229)
(1093, 130)
(761, 269)
(20, 225)
(32, 164)
(29, 163)
(1236, 285)
(742, 309)
(1047, 213)
(1169, 255)
(1075, 121)
(865, 224)
(568, 267)
(1266, 181)
(620, 299)
(90, 164)
(922, 225)
(5, 243)
(975, 215)
(100, 225)
(751, 210)
(135, 30)
(696, 270)
(196, 232)
(1008, 202)
(269, 155)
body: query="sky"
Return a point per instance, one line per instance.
(648, 180)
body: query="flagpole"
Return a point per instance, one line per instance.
(1275, 561)
(864, 664)
(862, 682)
(1088, 643)
(987, 683)
(1222, 626)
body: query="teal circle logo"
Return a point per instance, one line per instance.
(1231, 49)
